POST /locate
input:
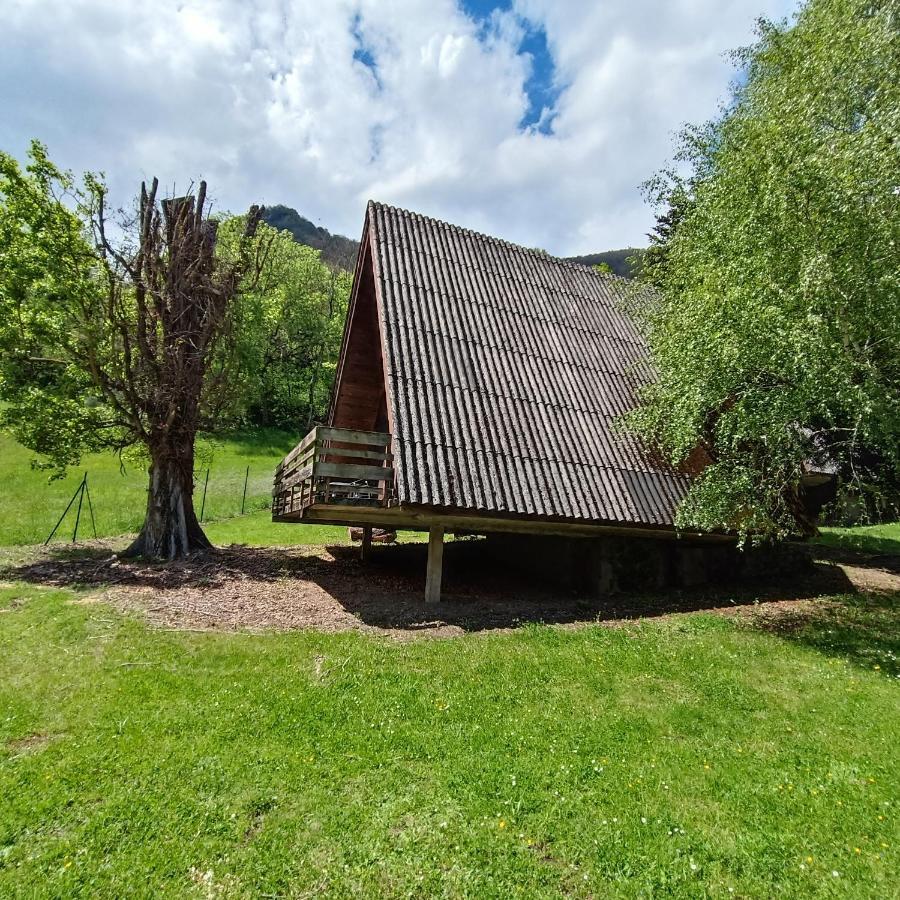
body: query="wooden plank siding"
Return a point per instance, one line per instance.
(359, 401)
(346, 465)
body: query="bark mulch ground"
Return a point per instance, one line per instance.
(265, 589)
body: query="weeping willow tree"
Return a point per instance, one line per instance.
(777, 332)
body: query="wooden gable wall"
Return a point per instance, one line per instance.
(360, 402)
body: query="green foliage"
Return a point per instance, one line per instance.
(48, 279)
(777, 338)
(681, 758)
(674, 195)
(287, 332)
(66, 375)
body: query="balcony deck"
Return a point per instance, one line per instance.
(334, 467)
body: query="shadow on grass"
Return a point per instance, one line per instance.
(855, 541)
(863, 628)
(245, 587)
(264, 441)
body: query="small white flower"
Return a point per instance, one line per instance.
(835, 873)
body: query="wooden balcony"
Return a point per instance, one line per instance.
(334, 467)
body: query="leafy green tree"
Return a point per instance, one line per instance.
(777, 332)
(671, 194)
(113, 343)
(289, 333)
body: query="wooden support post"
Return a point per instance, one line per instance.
(365, 549)
(435, 564)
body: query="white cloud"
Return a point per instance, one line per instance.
(265, 99)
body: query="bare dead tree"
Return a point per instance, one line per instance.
(167, 300)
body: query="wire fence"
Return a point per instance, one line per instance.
(100, 507)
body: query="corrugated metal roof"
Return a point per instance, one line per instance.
(506, 371)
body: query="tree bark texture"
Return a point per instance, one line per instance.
(171, 529)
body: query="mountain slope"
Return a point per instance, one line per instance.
(341, 251)
(336, 249)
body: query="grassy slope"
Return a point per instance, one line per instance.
(258, 530)
(681, 758)
(869, 538)
(30, 505)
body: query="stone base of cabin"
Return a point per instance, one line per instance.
(600, 566)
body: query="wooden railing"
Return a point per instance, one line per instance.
(337, 466)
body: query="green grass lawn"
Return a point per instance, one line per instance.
(685, 757)
(30, 504)
(869, 538)
(258, 530)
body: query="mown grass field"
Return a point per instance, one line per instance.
(685, 757)
(258, 530)
(30, 504)
(868, 538)
(694, 755)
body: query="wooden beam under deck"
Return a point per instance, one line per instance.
(423, 519)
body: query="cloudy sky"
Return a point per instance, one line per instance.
(534, 120)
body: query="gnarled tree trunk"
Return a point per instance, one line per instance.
(170, 529)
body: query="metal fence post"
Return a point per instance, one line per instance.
(78, 513)
(65, 511)
(203, 505)
(87, 491)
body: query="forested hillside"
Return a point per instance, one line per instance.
(618, 260)
(341, 251)
(336, 249)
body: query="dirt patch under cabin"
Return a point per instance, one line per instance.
(264, 589)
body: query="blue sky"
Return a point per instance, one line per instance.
(542, 84)
(535, 120)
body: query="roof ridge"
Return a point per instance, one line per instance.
(542, 255)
